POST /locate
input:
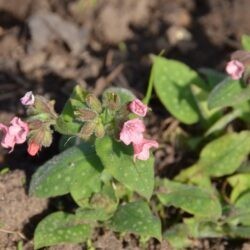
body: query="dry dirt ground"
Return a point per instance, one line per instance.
(48, 46)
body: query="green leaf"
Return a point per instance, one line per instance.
(89, 215)
(212, 77)
(105, 199)
(178, 236)
(172, 81)
(118, 161)
(201, 96)
(240, 183)
(60, 228)
(223, 121)
(124, 94)
(243, 201)
(225, 154)
(75, 170)
(67, 127)
(76, 100)
(136, 217)
(240, 213)
(220, 157)
(203, 229)
(228, 93)
(194, 200)
(245, 41)
(66, 123)
(240, 231)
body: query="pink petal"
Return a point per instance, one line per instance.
(235, 69)
(132, 131)
(138, 108)
(141, 150)
(28, 99)
(16, 133)
(8, 141)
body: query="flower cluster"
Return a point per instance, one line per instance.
(95, 118)
(132, 132)
(37, 128)
(18, 130)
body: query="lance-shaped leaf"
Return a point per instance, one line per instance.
(191, 199)
(220, 157)
(58, 228)
(240, 183)
(117, 159)
(221, 123)
(90, 215)
(74, 169)
(136, 217)
(172, 81)
(228, 93)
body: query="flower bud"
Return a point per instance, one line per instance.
(33, 148)
(85, 115)
(39, 137)
(138, 108)
(99, 130)
(235, 69)
(93, 103)
(112, 101)
(87, 130)
(28, 99)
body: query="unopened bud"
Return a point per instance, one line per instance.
(93, 103)
(42, 136)
(87, 130)
(85, 115)
(44, 108)
(112, 101)
(47, 137)
(33, 148)
(99, 130)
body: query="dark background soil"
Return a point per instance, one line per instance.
(49, 46)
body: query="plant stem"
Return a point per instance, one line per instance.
(150, 87)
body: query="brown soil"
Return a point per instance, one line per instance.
(49, 46)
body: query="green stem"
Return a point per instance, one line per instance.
(150, 87)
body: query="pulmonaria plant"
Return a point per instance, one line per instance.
(110, 154)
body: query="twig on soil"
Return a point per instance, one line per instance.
(103, 82)
(13, 232)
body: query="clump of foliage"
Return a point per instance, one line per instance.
(107, 168)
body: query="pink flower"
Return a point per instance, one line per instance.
(235, 69)
(33, 148)
(28, 99)
(132, 131)
(138, 108)
(141, 150)
(16, 133)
